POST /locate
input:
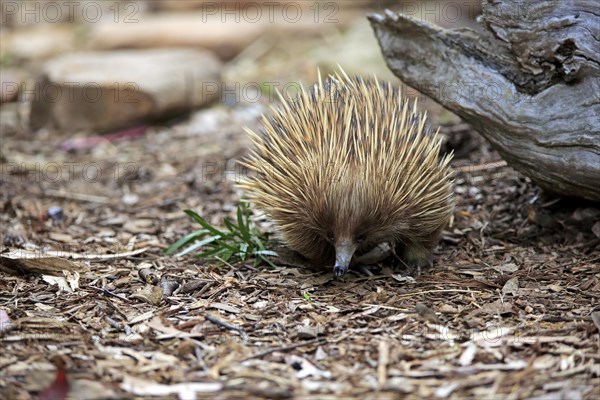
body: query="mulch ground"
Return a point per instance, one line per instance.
(510, 308)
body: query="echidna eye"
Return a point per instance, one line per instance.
(360, 238)
(330, 237)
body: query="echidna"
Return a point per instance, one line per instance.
(347, 165)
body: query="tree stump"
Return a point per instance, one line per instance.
(530, 83)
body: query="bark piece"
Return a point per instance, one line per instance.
(532, 91)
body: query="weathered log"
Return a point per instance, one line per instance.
(529, 84)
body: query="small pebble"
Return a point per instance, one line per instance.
(130, 199)
(56, 213)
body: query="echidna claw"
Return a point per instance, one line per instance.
(340, 270)
(422, 264)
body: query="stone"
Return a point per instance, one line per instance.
(37, 43)
(225, 33)
(192, 29)
(110, 90)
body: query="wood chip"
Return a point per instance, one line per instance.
(150, 294)
(511, 286)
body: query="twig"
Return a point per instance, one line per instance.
(227, 325)
(284, 348)
(387, 307)
(224, 262)
(439, 291)
(77, 196)
(108, 292)
(200, 358)
(384, 359)
(115, 324)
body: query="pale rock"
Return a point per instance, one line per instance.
(224, 32)
(108, 90)
(37, 42)
(193, 29)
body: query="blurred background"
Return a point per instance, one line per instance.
(267, 44)
(111, 107)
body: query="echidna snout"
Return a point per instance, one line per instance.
(347, 165)
(344, 251)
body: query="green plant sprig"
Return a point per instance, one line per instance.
(239, 240)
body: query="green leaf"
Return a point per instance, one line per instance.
(203, 222)
(244, 223)
(239, 240)
(227, 243)
(185, 240)
(210, 253)
(243, 251)
(226, 256)
(258, 242)
(197, 245)
(267, 261)
(232, 228)
(265, 253)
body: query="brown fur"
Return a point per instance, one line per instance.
(350, 159)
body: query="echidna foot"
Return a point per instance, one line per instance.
(363, 269)
(417, 256)
(375, 255)
(422, 264)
